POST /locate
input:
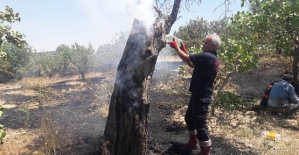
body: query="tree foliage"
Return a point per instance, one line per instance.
(7, 36)
(237, 54)
(109, 55)
(15, 61)
(275, 23)
(8, 16)
(45, 64)
(82, 58)
(63, 59)
(195, 31)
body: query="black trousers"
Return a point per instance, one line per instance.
(196, 117)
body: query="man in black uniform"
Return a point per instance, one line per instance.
(205, 67)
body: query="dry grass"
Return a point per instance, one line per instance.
(58, 116)
(76, 129)
(239, 127)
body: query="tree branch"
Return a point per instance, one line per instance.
(175, 10)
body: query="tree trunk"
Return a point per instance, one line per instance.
(295, 64)
(223, 82)
(126, 127)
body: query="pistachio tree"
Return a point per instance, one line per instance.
(270, 25)
(45, 64)
(8, 16)
(82, 58)
(275, 22)
(7, 35)
(196, 29)
(237, 54)
(62, 56)
(108, 55)
(17, 59)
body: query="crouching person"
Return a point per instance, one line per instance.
(263, 106)
(264, 102)
(283, 98)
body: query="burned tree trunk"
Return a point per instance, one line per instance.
(127, 122)
(295, 64)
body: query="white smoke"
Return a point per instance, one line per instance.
(106, 18)
(144, 11)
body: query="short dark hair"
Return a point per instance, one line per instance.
(288, 76)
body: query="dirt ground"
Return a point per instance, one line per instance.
(67, 115)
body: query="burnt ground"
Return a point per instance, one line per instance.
(68, 116)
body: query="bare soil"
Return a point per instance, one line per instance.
(67, 115)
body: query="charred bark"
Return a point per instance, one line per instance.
(126, 127)
(295, 64)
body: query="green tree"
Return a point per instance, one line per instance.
(108, 55)
(275, 22)
(7, 35)
(45, 64)
(82, 58)
(195, 31)
(63, 59)
(237, 55)
(17, 59)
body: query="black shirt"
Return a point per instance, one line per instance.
(205, 70)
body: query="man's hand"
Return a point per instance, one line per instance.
(173, 44)
(183, 47)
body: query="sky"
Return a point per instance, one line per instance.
(50, 23)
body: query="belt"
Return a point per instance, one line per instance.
(204, 99)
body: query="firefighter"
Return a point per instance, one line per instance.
(205, 66)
